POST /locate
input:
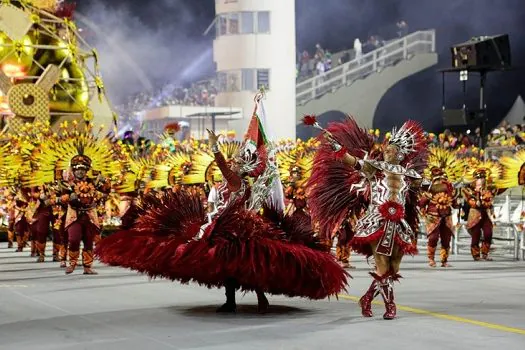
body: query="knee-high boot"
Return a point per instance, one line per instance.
(386, 288)
(366, 300)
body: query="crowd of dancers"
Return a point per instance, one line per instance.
(253, 215)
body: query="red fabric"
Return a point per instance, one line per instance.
(443, 232)
(40, 228)
(363, 245)
(255, 133)
(262, 156)
(82, 230)
(239, 244)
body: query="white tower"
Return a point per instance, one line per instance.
(254, 47)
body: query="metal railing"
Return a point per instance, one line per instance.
(345, 74)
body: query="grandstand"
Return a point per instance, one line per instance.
(339, 88)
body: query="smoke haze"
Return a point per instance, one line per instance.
(163, 42)
(143, 46)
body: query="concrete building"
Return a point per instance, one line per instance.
(255, 47)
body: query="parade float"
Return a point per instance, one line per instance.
(49, 73)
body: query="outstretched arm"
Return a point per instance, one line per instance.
(234, 181)
(340, 151)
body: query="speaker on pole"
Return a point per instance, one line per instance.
(482, 52)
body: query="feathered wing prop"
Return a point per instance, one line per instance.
(260, 256)
(335, 189)
(55, 154)
(492, 171)
(138, 169)
(448, 163)
(164, 223)
(297, 228)
(513, 170)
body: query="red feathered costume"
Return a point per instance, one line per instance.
(238, 249)
(348, 172)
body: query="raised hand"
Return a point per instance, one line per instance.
(212, 137)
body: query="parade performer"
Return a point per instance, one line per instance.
(10, 210)
(21, 220)
(139, 169)
(343, 247)
(41, 219)
(80, 164)
(438, 198)
(347, 172)
(238, 248)
(82, 222)
(482, 181)
(295, 164)
(59, 235)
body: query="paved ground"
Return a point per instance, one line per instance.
(470, 306)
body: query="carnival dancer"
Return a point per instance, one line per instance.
(41, 219)
(482, 181)
(438, 198)
(238, 248)
(21, 221)
(10, 210)
(82, 222)
(343, 247)
(80, 164)
(347, 172)
(295, 164)
(60, 236)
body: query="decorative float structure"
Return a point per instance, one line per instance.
(48, 72)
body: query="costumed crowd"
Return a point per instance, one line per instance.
(249, 215)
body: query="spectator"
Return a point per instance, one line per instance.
(402, 28)
(327, 61)
(345, 57)
(305, 61)
(319, 52)
(358, 49)
(320, 67)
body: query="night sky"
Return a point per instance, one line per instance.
(178, 25)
